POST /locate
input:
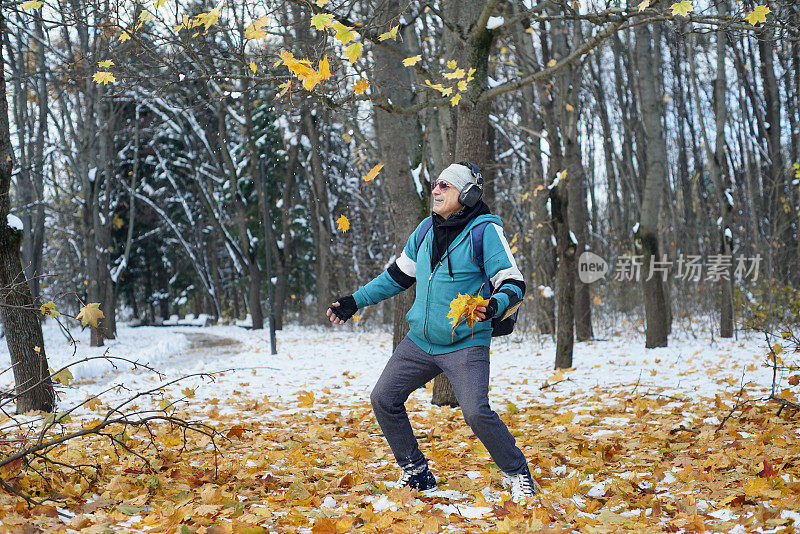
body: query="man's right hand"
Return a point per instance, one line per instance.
(341, 310)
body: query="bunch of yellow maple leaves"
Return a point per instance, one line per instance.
(463, 307)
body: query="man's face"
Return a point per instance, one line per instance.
(445, 199)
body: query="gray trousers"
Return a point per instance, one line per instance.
(468, 370)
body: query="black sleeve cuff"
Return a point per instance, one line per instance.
(512, 295)
(400, 277)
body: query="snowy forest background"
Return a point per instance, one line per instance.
(167, 161)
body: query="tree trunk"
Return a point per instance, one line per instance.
(472, 120)
(22, 328)
(566, 249)
(399, 139)
(655, 160)
(320, 220)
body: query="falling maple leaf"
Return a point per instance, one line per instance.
(322, 21)
(456, 74)
(344, 34)
(255, 29)
(353, 52)
(410, 61)
(209, 19)
(105, 64)
(759, 14)
(103, 77)
(373, 172)
(49, 309)
(682, 8)
(391, 34)
(342, 224)
(90, 314)
(463, 306)
(360, 86)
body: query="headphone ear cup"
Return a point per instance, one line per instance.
(470, 195)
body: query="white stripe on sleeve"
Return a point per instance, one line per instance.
(407, 265)
(513, 272)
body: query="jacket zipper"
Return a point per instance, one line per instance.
(430, 279)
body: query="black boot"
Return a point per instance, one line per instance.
(419, 478)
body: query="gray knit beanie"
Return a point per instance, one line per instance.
(458, 176)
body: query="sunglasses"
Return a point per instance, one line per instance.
(444, 186)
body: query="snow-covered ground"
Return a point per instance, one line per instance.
(338, 366)
(351, 359)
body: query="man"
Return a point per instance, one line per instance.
(442, 263)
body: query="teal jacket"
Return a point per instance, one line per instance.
(429, 326)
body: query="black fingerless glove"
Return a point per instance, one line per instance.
(491, 308)
(347, 308)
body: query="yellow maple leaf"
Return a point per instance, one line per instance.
(92, 402)
(145, 15)
(209, 19)
(456, 74)
(353, 52)
(410, 61)
(103, 77)
(90, 314)
(373, 172)
(391, 34)
(344, 34)
(255, 29)
(551, 63)
(682, 8)
(31, 5)
(305, 399)
(342, 224)
(455, 100)
(105, 64)
(759, 14)
(360, 86)
(439, 87)
(124, 36)
(321, 3)
(644, 5)
(160, 3)
(284, 88)
(49, 309)
(452, 64)
(253, 66)
(322, 21)
(462, 85)
(313, 77)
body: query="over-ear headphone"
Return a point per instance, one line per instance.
(471, 194)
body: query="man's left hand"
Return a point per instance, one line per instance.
(486, 312)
